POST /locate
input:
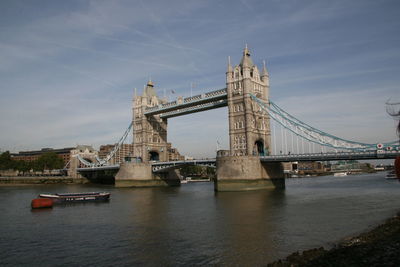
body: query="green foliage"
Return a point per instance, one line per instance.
(6, 162)
(23, 166)
(49, 161)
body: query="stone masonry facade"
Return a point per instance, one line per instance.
(249, 127)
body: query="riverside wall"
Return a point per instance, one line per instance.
(20, 180)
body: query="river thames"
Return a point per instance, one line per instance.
(191, 224)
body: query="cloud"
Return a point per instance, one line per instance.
(359, 116)
(68, 70)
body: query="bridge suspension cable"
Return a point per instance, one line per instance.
(310, 133)
(110, 155)
(116, 147)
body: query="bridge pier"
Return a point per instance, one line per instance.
(133, 174)
(243, 173)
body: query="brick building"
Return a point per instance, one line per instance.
(125, 150)
(64, 153)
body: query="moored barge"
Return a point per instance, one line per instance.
(77, 197)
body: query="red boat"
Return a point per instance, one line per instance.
(77, 197)
(39, 203)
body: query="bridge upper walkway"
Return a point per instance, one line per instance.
(197, 103)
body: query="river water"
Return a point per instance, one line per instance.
(191, 224)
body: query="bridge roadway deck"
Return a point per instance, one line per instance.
(362, 155)
(332, 156)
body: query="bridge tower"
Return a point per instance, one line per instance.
(249, 132)
(149, 132)
(249, 128)
(149, 144)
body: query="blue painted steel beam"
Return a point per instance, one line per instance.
(163, 166)
(105, 167)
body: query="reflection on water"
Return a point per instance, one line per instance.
(191, 224)
(247, 223)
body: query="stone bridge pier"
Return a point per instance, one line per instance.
(140, 174)
(242, 173)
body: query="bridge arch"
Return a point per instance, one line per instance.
(154, 155)
(259, 148)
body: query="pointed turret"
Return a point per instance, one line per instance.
(265, 74)
(144, 91)
(230, 69)
(246, 59)
(149, 90)
(264, 70)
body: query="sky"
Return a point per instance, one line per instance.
(68, 69)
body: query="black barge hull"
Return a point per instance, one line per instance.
(77, 197)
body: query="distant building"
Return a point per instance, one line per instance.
(64, 153)
(350, 165)
(85, 151)
(104, 150)
(310, 167)
(304, 167)
(173, 153)
(125, 150)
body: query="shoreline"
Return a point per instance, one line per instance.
(38, 180)
(378, 246)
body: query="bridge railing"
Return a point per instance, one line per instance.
(215, 93)
(192, 98)
(165, 105)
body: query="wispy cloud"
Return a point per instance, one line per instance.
(68, 71)
(354, 115)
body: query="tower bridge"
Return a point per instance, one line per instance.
(249, 163)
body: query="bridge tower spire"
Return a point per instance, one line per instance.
(249, 128)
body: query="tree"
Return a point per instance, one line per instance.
(49, 161)
(6, 162)
(23, 166)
